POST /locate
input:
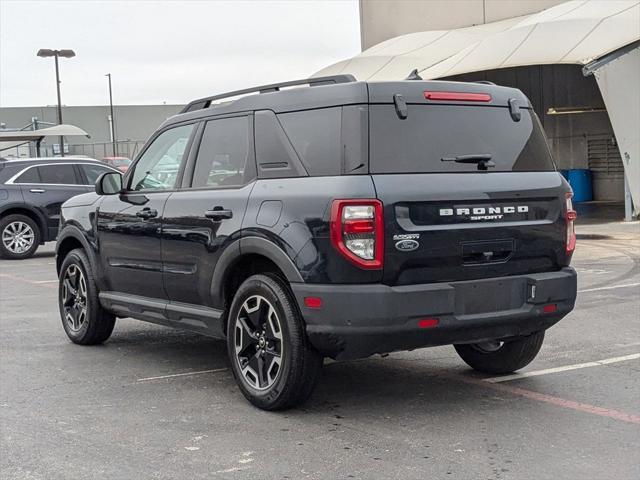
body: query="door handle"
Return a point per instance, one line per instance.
(147, 213)
(37, 190)
(218, 213)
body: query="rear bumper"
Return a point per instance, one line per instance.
(356, 321)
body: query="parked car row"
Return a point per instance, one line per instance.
(31, 193)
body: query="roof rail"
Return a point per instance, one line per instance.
(202, 103)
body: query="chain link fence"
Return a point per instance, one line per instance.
(99, 150)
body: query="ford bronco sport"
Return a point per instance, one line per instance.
(331, 217)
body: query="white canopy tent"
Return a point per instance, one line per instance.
(14, 138)
(577, 32)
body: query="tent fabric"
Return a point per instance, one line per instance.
(574, 32)
(24, 136)
(618, 81)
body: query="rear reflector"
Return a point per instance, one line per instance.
(550, 308)
(313, 302)
(428, 322)
(458, 96)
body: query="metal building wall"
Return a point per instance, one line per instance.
(133, 122)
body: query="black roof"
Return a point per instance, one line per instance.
(339, 90)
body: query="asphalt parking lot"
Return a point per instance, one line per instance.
(154, 403)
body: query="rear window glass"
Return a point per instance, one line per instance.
(433, 132)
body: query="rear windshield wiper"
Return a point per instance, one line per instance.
(483, 160)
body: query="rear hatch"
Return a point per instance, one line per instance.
(467, 181)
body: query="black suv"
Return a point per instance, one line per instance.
(31, 193)
(338, 218)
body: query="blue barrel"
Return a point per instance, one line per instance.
(580, 181)
(565, 174)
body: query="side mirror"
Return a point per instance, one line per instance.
(109, 183)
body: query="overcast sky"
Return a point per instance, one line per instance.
(171, 52)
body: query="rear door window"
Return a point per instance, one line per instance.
(58, 174)
(430, 133)
(225, 156)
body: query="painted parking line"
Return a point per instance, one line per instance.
(570, 404)
(566, 368)
(185, 374)
(553, 400)
(612, 287)
(25, 280)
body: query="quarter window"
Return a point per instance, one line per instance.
(29, 176)
(92, 172)
(315, 135)
(158, 167)
(224, 154)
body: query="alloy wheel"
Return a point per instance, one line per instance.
(18, 237)
(258, 342)
(74, 297)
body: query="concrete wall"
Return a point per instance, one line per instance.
(133, 122)
(384, 19)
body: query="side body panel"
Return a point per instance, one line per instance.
(192, 243)
(293, 214)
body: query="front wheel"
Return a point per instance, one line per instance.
(83, 318)
(272, 360)
(501, 357)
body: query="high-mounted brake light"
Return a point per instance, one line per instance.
(357, 231)
(570, 215)
(458, 96)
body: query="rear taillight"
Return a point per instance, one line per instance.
(357, 231)
(570, 215)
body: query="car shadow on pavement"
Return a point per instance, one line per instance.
(383, 385)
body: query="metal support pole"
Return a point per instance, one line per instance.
(59, 104)
(113, 120)
(628, 202)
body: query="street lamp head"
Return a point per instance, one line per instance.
(46, 52)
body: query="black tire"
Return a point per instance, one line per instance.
(301, 365)
(97, 324)
(6, 224)
(509, 357)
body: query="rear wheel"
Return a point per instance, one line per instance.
(83, 318)
(501, 357)
(272, 360)
(19, 237)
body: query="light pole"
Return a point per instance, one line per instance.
(45, 52)
(113, 119)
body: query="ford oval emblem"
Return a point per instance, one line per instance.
(407, 245)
